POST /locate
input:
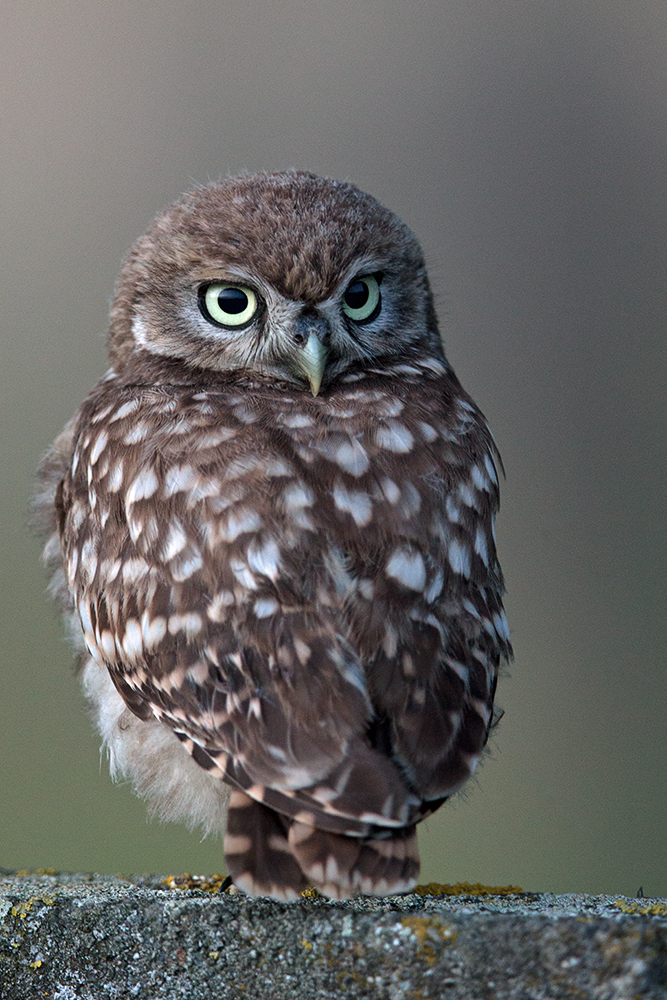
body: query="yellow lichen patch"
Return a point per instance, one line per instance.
(213, 883)
(21, 910)
(37, 964)
(430, 932)
(466, 889)
(307, 945)
(311, 893)
(24, 872)
(651, 910)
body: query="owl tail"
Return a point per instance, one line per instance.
(268, 854)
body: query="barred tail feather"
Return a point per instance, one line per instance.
(340, 866)
(268, 854)
(257, 852)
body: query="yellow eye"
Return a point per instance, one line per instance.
(227, 305)
(362, 301)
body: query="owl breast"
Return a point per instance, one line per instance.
(230, 538)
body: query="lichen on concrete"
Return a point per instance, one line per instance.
(77, 937)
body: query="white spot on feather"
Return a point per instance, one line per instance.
(390, 641)
(265, 606)
(108, 644)
(109, 570)
(491, 469)
(390, 407)
(352, 457)
(390, 490)
(187, 565)
(354, 502)
(394, 437)
(480, 545)
(502, 626)
(72, 565)
(215, 438)
(295, 420)
(242, 574)
(190, 623)
(125, 410)
(467, 496)
(178, 479)
(137, 433)
(101, 414)
(407, 568)
(453, 510)
(99, 446)
(243, 413)
(428, 433)
(135, 570)
(298, 495)
(264, 558)
(470, 607)
(349, 454)
(175, 542)
(217, 609)
(404, 370)
(434, 589)
(458, 668)
(242, 466)
(84, 615)
(459, 557)
(479, 478)
(198, 672)
(143, 486)
(77, 515)
(411, 500)
(276, 467)
(115, 480)
(238, 523)
(302, 650)
(89, 559)
(132, 640)
(153, 630)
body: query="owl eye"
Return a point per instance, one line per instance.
(227, 305)
(362, 301)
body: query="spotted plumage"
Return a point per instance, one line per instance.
(272, 525)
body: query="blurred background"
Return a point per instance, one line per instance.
(526, 145)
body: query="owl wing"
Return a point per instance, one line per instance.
(199, 587)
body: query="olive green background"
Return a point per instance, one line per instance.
(526, 144)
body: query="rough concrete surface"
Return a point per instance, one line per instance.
(79, 937)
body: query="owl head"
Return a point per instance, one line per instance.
(284, 276)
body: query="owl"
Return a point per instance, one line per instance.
(271, 526)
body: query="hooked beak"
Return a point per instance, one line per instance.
(310, 352)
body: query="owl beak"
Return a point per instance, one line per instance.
(311, 353)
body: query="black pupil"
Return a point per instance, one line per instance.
(233, 300)
(356, 296)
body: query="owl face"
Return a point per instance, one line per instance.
(286, 276)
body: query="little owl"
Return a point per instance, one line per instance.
(272, 526)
